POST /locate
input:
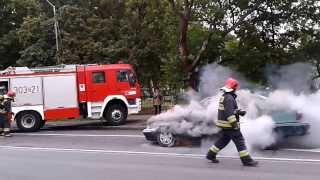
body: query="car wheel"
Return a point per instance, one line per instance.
(166, 139)
(275, 145)
(116, 115)
(28, 121)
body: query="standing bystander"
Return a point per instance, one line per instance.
(157, 100)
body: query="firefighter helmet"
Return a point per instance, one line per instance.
(230, 85)
(11, 94)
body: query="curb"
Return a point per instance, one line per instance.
(87, 126)
(95, 126)
(125, 127)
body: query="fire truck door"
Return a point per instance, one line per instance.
(123, 80)
(97, 84)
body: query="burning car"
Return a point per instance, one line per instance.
(194, 122)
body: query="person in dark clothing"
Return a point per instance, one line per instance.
(6, 113)
(157, 101)
(228, 121)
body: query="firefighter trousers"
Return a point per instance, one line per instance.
(4, 124)
(226, 135)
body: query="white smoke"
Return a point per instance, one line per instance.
(193, 119)
(295, 84)
(213, 77)
(197, 118)
(293, 96)
(295, 77)
(306, 104)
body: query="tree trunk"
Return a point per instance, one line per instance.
(183, 44)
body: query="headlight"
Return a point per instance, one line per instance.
(149, 130)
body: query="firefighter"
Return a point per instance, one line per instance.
(6, 113)
(228, 121)
(2, 111)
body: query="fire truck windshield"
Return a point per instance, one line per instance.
(127, 76)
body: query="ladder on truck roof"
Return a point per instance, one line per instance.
(46, 69)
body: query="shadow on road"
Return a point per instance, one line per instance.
(94, 125)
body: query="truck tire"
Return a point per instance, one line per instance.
(116, 114)
(28, 121)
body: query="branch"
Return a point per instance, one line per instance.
(174, 8)
(191, 4)
(203, 48)
(206, 41)
(243, 17)
(188, 9)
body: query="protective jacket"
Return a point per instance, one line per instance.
(227, 112)
(5, 107)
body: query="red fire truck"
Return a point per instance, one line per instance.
(71, 91)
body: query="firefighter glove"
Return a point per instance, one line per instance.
(235, 125)
(240, 112)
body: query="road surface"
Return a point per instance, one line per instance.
(100, 154)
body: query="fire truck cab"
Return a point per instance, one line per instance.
(71, 91)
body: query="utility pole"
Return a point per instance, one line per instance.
(55, 29)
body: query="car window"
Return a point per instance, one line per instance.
(98, 77)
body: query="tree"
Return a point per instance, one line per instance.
(279, 33)
(213, 15)
(12, 14)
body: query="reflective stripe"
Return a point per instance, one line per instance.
(223, 124)
(6, 129)
(221, 107)
(221, 99)
(244, 153)
(232, 119)
(214, 149)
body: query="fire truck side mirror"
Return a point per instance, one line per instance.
(132, 79)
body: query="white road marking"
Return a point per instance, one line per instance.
(303, 150)
(81, 135)
(198, 156)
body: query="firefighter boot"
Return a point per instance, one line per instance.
(248, 161)
(6, 132)
(212, 156)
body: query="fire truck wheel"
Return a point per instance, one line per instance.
(28, 121)
(116, 115)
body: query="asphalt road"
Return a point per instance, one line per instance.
(95, 153)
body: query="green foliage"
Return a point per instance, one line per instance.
(145, 33)
(172, 74)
